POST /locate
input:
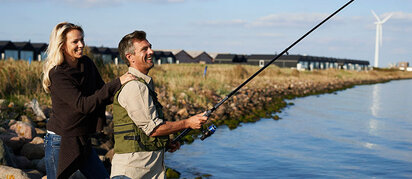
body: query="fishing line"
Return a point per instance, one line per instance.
(211, 129)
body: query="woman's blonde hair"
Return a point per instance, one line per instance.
(55, 50)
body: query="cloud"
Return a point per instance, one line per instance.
(287, 19)
(108, 3)
(282, 20)
(269, 34)
(399, 16)
(221, 23)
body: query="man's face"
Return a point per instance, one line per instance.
(142, 57)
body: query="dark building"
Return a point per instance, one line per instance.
(116, 56)
(183, 57)
(163, 57)
(26, 50)
(259, 59)
(226, 58)
(39, 51)
(303, 62)
(8, 50)
(202, 57)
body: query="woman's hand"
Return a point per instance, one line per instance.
(126, 78)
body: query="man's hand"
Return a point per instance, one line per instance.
(173, 147)
(196, 121)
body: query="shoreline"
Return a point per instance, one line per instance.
(183, 91)
(251, 104)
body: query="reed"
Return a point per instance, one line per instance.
(21, 82)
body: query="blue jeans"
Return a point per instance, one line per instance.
(91, 168)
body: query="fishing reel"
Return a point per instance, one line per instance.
(208, 132)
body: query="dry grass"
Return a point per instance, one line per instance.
(20, 82)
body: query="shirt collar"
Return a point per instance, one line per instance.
(137, 73)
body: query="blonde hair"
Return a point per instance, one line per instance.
(55, 50)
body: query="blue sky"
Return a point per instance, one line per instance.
(224, 26)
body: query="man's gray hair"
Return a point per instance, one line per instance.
(126, 44)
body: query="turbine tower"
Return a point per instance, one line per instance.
(378, 42)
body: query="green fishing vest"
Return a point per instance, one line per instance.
(127, 136)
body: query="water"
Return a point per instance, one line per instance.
(362, 132)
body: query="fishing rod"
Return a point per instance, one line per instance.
(211, 129)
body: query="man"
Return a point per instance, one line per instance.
(141, 134)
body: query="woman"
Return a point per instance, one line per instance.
(79, 98)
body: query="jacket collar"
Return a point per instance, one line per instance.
(137, 73)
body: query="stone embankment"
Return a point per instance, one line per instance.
(22, 129)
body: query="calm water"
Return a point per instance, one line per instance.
(362, 132)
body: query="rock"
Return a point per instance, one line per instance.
(41, 124)
(6, 156)
(171, 173)
(46, 110)
(109, 115)
(39, 164)
(32, 151)
(25, 119)
(7, 172)
(107, 145)
(102, 158)
(13, 141)
(108, 130)
(22, 162)
(109, 155)
(2, 130)
(40, 131)
(23, 129)
(11, 122)
(36, 109)
(94, 141)
(183, 112)
(33, 174)
(37, 140)
(39, 119)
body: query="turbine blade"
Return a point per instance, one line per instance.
(376, 16)
(389, 16)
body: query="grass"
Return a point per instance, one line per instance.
(21, 82)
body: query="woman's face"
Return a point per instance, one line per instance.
(73, 47)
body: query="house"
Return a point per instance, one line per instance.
(226, 58)
(39, 51)
(163, 57)
(200, 57)
(182, 56)
(102, 53)
(106, 54)
(116, 56)
(26, 50)
(403, 66)
(259, 59)
(8, 50)
(169, 56)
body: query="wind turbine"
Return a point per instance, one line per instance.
(378, 42)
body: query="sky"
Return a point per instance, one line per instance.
(224, 26)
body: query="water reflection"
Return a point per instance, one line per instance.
(375, 109)
(375, 100)
(364, 132)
